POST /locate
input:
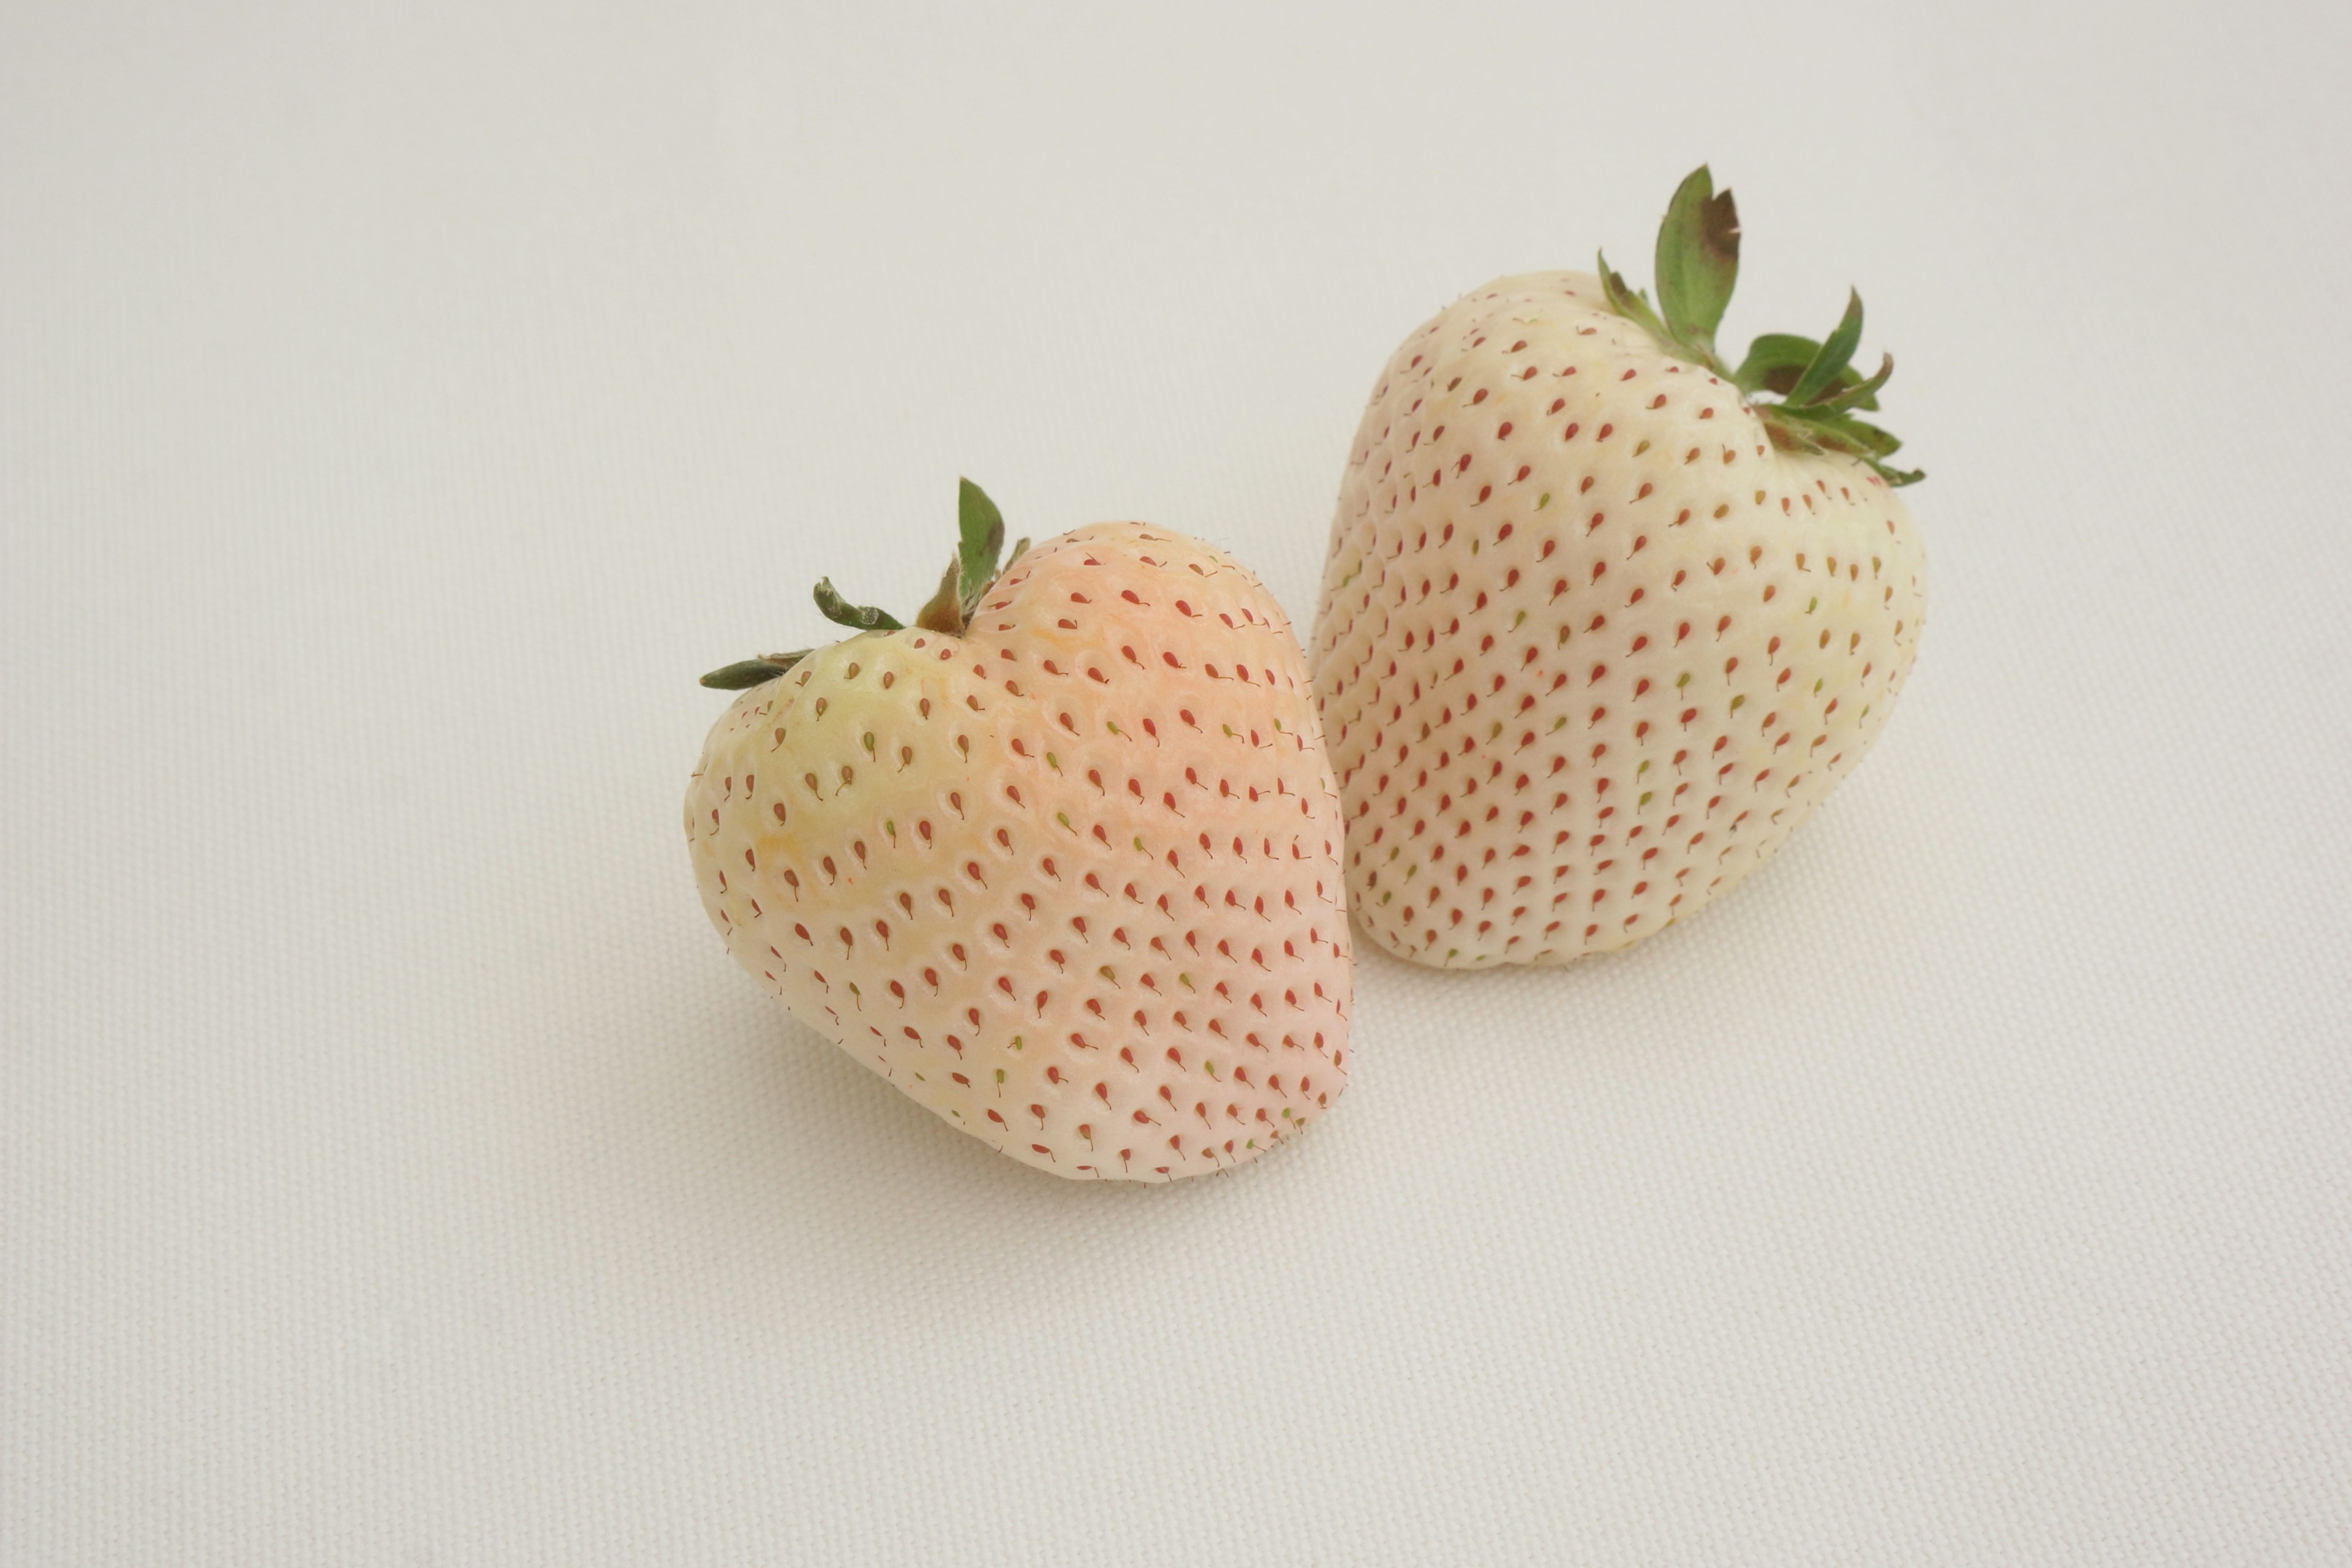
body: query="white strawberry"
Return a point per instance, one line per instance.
(1061, 861)
(1603, 620)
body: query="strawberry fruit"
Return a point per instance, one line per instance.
(1604, 619)
(1061, 860)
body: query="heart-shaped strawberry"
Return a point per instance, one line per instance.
(1061, 861)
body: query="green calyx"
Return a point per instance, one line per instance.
(1804, 392)
(979, 529)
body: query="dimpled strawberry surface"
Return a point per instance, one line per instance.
(1070, 878)
(1602, 624)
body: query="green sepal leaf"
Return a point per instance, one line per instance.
(1836, 353)
(944, 613)
(1856, 393)
(1697, 261)
(982, 527)
(1839, 432)
(1818, 429)
(1774, 362)
(746, 673)
(1628, 303)
(1881, 443)
(1815, 384)
(857, 618)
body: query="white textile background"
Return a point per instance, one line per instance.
(400, 406)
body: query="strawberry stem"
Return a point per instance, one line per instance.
(980, 541)
(1814, 385)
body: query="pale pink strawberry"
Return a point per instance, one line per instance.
(1602, 620)
(1067, 873)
